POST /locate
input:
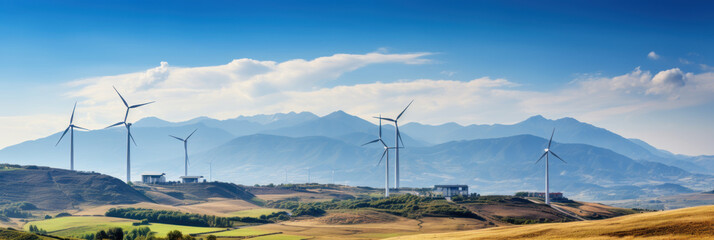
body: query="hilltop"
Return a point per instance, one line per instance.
(53, 189)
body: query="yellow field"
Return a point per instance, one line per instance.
(218, 207)
(688, 223)
(399, 226)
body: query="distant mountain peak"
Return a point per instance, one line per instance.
(338, 114)
(537, 118)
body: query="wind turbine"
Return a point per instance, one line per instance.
(129, 137)
(397, 139)
(185, 150)
(70, 128)
(547, 153)
(385, 153)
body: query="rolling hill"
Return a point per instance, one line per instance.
(50, 188)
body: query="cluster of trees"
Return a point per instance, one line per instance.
(17, 210)
(143, 233)
(270, 218)
(35, 229)
(170, 217)
(404, 205)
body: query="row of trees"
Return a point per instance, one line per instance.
(170, 217)
(143, 233)
(403, 205)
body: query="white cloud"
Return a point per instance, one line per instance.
(652, 55)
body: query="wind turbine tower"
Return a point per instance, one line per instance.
(397, 139)
(129, 137)
(547, 153)
(70, 128)
(185, 150)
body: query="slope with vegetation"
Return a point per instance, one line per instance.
(687, 223)
(51, 188)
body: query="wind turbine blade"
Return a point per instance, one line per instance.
(388, 119)
(399, 134)
(122, 98)
(139, 105)
(373, 141)
(191, 134)
(65, 132)
(380, 126)
(541, 157)
(551, 138)
(116, 124)
(75, 126)
(405, 109)
(556, 155)
(382, 158)
(385, 145)
(71, 119)
(176, 137)
(132, 138)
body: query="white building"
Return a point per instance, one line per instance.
(153, 178)
(190, 179)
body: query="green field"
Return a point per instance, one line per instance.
(243, 232)
(240, 232)
(77, 226)
(256, 212)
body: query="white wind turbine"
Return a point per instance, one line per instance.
(129, 137)
(185, 150)
(384, 153)
(70, 128)
(548, 152)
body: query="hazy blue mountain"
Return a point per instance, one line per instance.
(263, 148)
(567, 130)
(501, 165)
(239, 126)
(346, 127)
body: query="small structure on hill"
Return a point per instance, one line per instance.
(190, 179)
(451, 190)
(153, 178)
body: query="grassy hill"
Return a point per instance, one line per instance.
(51, 188)
(12, 234)
(687, 223)
(194, 192)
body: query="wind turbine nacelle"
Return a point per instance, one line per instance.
(547, 150)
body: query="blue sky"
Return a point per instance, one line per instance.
(540, 47)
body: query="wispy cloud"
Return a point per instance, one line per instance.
(652, 55)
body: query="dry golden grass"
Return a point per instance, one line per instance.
(688, 223)
(217, 206)
(317, 228)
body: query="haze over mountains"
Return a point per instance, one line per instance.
(490, 158)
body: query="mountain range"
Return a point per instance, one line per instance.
(262, 149)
